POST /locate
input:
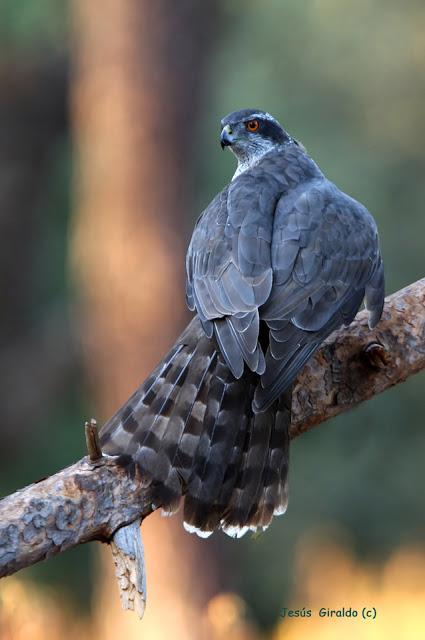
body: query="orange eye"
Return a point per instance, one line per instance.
(252, 125)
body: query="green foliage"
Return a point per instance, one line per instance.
(27, 25)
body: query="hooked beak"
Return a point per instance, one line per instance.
(226, 138)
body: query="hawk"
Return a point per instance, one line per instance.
(278, 260)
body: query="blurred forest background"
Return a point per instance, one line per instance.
(109, 123)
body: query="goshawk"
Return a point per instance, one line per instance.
(278, 260)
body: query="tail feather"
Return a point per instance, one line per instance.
(192, 431)
(273, 498)
(220, 510)
(247, 485)
(180, 441)
(214, 452)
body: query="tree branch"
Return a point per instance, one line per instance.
(89, 500)
(355, 363)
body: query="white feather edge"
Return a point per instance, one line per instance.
(232, 531)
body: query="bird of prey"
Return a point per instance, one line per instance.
(277, 261)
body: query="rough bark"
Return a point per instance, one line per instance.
(356, 364)
(89, 500)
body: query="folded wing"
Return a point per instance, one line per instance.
(229, 268)
(325, 258)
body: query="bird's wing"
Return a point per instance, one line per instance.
(325, 257)
(229, 273)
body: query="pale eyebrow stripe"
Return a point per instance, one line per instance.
(264, 116)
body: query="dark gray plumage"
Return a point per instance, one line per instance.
(278, 260)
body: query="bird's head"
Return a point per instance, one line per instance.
(250, 133)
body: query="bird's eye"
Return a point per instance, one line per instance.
(252, 125)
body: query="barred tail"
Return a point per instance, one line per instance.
(192, 431)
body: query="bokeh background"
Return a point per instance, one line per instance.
(109, 122)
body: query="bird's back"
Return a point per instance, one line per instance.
(277, 261)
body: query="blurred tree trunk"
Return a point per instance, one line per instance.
(137, 79)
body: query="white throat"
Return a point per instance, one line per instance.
(249, 161)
